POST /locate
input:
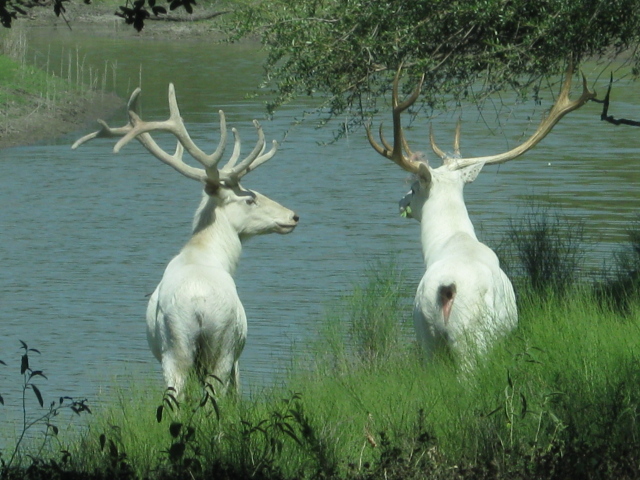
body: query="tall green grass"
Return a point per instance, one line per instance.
(557, 398)
(543, 250)
(561, 390)
(31, 83)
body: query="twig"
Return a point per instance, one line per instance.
(605, 110)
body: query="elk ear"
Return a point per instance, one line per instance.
(470, 173)
(424, 174)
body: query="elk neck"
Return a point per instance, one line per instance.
(444, 215)
(214, 240)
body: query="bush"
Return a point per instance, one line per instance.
(544, 251)
(620, 286)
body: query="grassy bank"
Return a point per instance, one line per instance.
(556, 399)
(39, 103)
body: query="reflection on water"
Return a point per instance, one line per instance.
(85, 235)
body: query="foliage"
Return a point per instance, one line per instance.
(369, 325)
(11, 9)
(545, 250)
(350, 49)
(620, 286)
(556, 399)
(46, 419)
(347, 51)
(135, 12)
(372, 319)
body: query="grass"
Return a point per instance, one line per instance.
(558, 398)
(546, 250)
(559, 390)
(39, 100)
(19, 82)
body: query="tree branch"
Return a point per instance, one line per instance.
(605, 110)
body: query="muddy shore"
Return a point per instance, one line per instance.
(30, 123)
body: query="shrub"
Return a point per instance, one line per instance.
(621, 285)
(544, 251)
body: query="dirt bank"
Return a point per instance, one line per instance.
(33, 123)
(28, 122)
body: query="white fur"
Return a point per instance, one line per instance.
(195, 317)
(484, 305)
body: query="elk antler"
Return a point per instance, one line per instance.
(561, 107)
(139, 129)
(395, 152)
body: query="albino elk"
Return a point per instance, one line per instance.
(194, 317)
(464, 299)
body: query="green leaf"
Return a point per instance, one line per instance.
(159, 412)
(174, 429)
(37, 373)
(24, 365)
(524, 405)
(38, 394)
(113, 449)
(177, 451)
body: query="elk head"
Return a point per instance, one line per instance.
(456, 170)
(250, 212)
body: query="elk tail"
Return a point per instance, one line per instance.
(446, 296)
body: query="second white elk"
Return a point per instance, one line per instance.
(464, 300)
(195, 319)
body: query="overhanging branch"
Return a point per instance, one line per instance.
(604, 116)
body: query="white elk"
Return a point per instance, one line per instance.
(464, 300)
(195, 319)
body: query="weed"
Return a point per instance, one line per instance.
(548, 248)
(621, 284)
(369, 325)
(46, 419)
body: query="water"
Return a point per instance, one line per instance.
(85, 235)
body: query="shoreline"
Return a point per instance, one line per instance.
(28, 122)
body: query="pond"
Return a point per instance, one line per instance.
(85, 235)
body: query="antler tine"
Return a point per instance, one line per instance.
(140, 130)
(105, 132)
(236, 149)
(385, 144)
(456, 139)
(385, 149)
(175, 126)
(260, 160)
(389, 147)
(446, 158)
(231, 173)
(562, 106)
(399, 141)
(108, 132)
(174, 161)
(435, 147)
(395, 153)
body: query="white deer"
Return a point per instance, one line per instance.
(464, 300)
(194, 317)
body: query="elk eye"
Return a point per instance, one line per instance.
(250, 201)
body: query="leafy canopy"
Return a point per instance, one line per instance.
(349, 50)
